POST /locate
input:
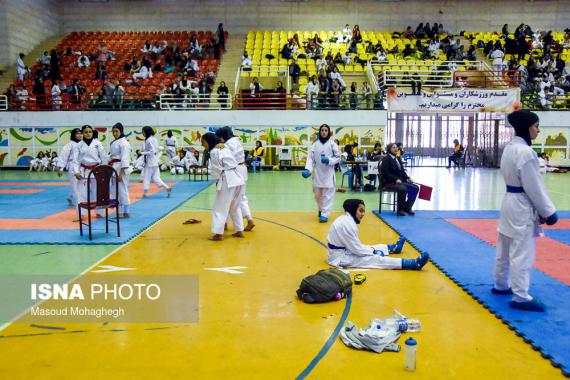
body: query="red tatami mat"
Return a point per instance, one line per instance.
(552, 256)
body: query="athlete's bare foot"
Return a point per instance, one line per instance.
(225, 227)
(168, 192)
(238, 234)
(69, 201)
(216, 237)
(249, 226)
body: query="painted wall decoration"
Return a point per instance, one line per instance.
(555, 143)
(18, 146)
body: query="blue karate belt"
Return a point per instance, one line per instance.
(514, 189)
(331, 246)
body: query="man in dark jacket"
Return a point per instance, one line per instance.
(393, 177)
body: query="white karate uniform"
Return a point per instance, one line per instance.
(324, 179)
(229, 190)
(190, 160)
(65, 161)
(151, 172)
(120, 150)
(56, 96)
(519, 222)
(84, 158)
(21, 69)
(235, 146)
(171, 147)
(350, 252)
(178, 165)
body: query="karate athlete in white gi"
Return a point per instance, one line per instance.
(120, 153)
(171, 146)
(346, 250)
(229, 187)
(233, 143)
(322, 158)
(86, 157)
(151, 153)
(65, 161)
(525, 206)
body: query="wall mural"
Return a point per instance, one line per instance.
(18, 146)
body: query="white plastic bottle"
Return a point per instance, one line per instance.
(411, 347)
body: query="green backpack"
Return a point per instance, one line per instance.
(324, 286)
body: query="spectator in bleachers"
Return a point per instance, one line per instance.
(255, 88)
(103, 54)
(408, 33)
(191, 68)
(497, 56)
(220, 40)
(335, 93)
(294, 71)
(83, 61)
(471, 53)
(204, 91)
(145, 71)
(246, 61)
(21, 96)
(54, 66)
(312, 91)
(366, 94)
(75, 91)
(101, 73)
(118, 95)
(56, 95)
(408, 51)
(193, 94)
(335, 75)
(279, 89)
(353, 96)
(21, 69)
(146, 47)
(39, 92)
(420, 33)
(223, 94)
(45, 60)
(346, 33)
(195, 47)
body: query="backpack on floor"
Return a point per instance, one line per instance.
(324, 286)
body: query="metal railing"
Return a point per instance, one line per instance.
(3, 102)
(188, 102)
(429, 73)
(487, 78)
(270, 101)
(346, 101)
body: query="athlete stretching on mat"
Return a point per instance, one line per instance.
(346, 250)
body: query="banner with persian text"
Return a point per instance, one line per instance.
(454, 100)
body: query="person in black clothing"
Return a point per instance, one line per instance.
(393, 177)
(294, 71)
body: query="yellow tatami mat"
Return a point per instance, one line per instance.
(251, 325)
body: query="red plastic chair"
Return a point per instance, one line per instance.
(103, 175)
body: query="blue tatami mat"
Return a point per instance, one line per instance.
(469, 262)
(143, 214)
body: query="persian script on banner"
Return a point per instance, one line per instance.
(454, 100)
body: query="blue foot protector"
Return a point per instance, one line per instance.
(532, 305)
(502, 292)
(323, 219)
(397, 247)
(416, 264)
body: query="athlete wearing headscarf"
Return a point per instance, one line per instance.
(526, 204)
(323, 156)
(346, 250)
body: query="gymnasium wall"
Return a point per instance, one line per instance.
(240, 16)
(24, 134)
(26, 23)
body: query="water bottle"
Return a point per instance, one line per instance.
(398, 324)
(411, 346)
